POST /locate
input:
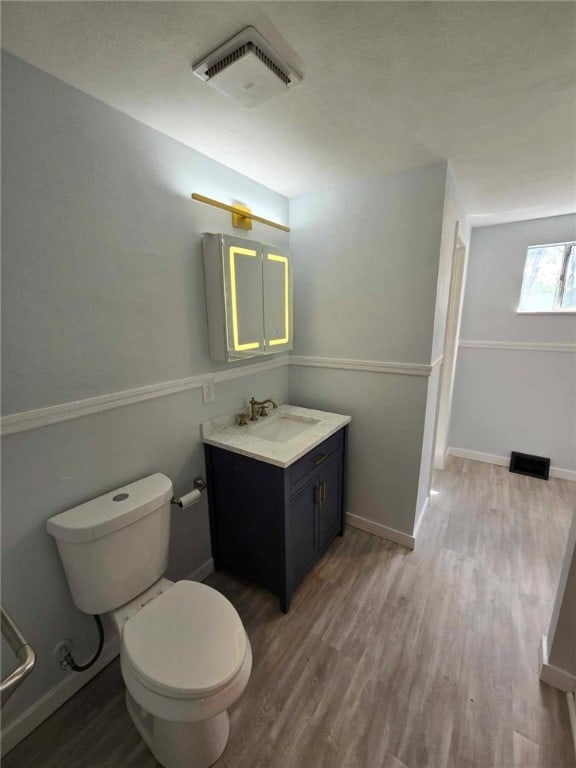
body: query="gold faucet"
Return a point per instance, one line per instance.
(262, 403)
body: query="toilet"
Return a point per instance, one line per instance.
(185, 656)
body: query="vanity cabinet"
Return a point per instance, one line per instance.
(248, 297)
(269, 524)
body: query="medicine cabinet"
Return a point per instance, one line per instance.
(248, 297)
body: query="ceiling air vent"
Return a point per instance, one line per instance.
(247, 69)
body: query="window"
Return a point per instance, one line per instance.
(549, 282)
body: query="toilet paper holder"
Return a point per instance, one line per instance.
(199, 485)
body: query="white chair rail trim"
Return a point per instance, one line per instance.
(42, 417)
(519, 346)
(53, 414)
(372, 366)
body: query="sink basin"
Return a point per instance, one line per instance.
(283, 428)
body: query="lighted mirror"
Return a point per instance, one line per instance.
(277, 278)
(248, 296)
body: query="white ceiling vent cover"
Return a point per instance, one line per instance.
(247, 69)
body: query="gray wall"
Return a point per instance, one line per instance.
(368, 254)
(103, 291)
(385, 436)
(366, 264)
(102, 254)
(508, 399)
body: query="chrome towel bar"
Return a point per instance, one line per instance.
(23, 652)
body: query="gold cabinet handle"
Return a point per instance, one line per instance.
(322, 493)
(319, 459)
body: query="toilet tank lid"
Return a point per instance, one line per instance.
(114, 510)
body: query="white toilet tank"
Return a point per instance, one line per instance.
(115, 546)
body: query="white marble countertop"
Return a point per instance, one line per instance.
(224, 432)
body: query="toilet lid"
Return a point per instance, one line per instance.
(189, 641)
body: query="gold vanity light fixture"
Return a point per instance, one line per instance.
(242, 220)
(242, 217)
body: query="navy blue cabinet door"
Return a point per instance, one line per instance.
(302, 529)
(330, 499)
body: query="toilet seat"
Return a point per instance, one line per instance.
(180, 709)
(187, 643)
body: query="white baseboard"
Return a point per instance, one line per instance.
(571, 698)
(382, 531)
(487, 458)
(440, 461)
(504, 461)
(32, 717)
(563, 474)
(554, 676)
(420, 516)
(202, 572)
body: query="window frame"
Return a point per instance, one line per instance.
(558, 309)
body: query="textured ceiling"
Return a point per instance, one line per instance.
(387, 86)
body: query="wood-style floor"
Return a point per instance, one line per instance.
(388, 658)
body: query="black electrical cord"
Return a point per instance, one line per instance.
(81, 667)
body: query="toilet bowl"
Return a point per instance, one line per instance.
(185, 660)
(185, 655)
